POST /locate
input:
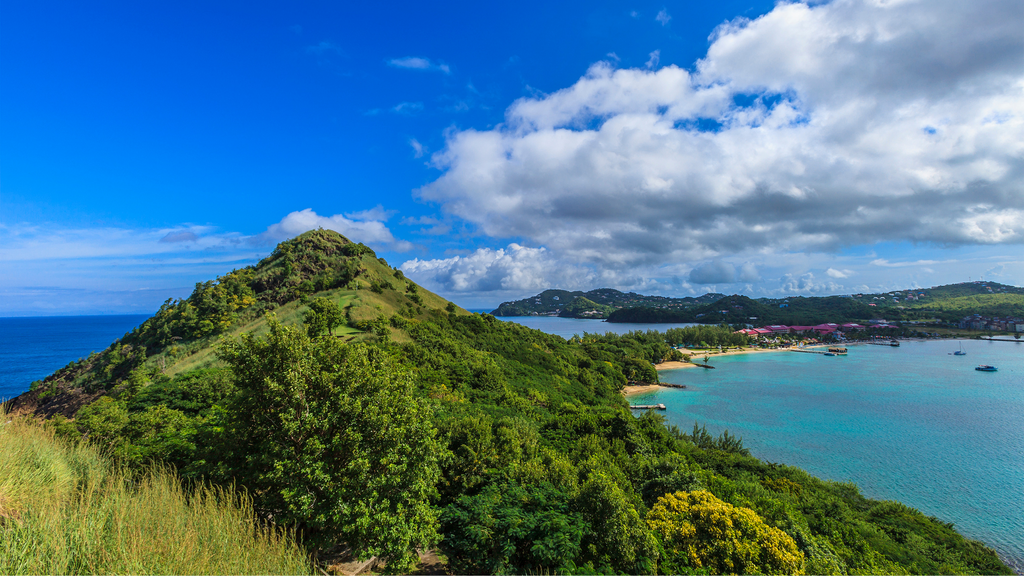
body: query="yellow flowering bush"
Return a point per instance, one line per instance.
(699, 531)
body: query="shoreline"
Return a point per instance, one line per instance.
(698, 355)
(695, 354)
(672, 365)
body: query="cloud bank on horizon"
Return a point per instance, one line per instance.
(806, 131)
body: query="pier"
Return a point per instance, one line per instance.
(837, 350)
(648, 407)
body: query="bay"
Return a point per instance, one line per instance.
(913, 424)
(32, 348)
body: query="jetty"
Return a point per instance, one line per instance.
(648, 407)
(838, 350)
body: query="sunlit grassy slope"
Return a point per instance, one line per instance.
(65, 509)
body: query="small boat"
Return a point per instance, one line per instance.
(829, 354)
(894, 343)
(986, 368)
(960, 352)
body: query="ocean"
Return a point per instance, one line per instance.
(33, 348)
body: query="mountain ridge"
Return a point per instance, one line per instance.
(946, 303)
(601, 302)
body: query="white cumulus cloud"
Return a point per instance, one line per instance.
(367, 227)
(515, 268)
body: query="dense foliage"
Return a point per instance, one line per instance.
(743, 310)
(512, 448)
(585, 308)
(700, 531)
(332, 439)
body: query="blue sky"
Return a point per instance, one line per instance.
(494, 151)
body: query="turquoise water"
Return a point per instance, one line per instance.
(913, 424)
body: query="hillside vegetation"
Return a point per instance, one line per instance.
(594, 304)
(412, 424)
(67, 509)
(939, 304)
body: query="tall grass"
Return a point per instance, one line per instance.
(66, 509)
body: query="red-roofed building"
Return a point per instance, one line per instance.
(778, 329)
(797, 329)
(826, 328)
(850, 327)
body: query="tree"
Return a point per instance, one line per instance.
(509, 528)
(330, 437)
(699, 531)
(324, 315)
(617, 537)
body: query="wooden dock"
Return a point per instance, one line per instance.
(838, 351)
(648, 407)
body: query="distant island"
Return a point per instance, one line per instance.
(970, 305)
(595, 304)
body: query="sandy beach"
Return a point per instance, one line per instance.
(698, 356)
(631, 390)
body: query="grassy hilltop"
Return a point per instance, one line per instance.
(376, 419)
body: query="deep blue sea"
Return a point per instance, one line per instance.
(913, 424)
(32, 348)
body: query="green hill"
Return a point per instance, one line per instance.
(938, 304)
(414, 424)
(743, 310)
(595, 304)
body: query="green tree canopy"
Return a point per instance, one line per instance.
(330, 437)
(323, 316)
